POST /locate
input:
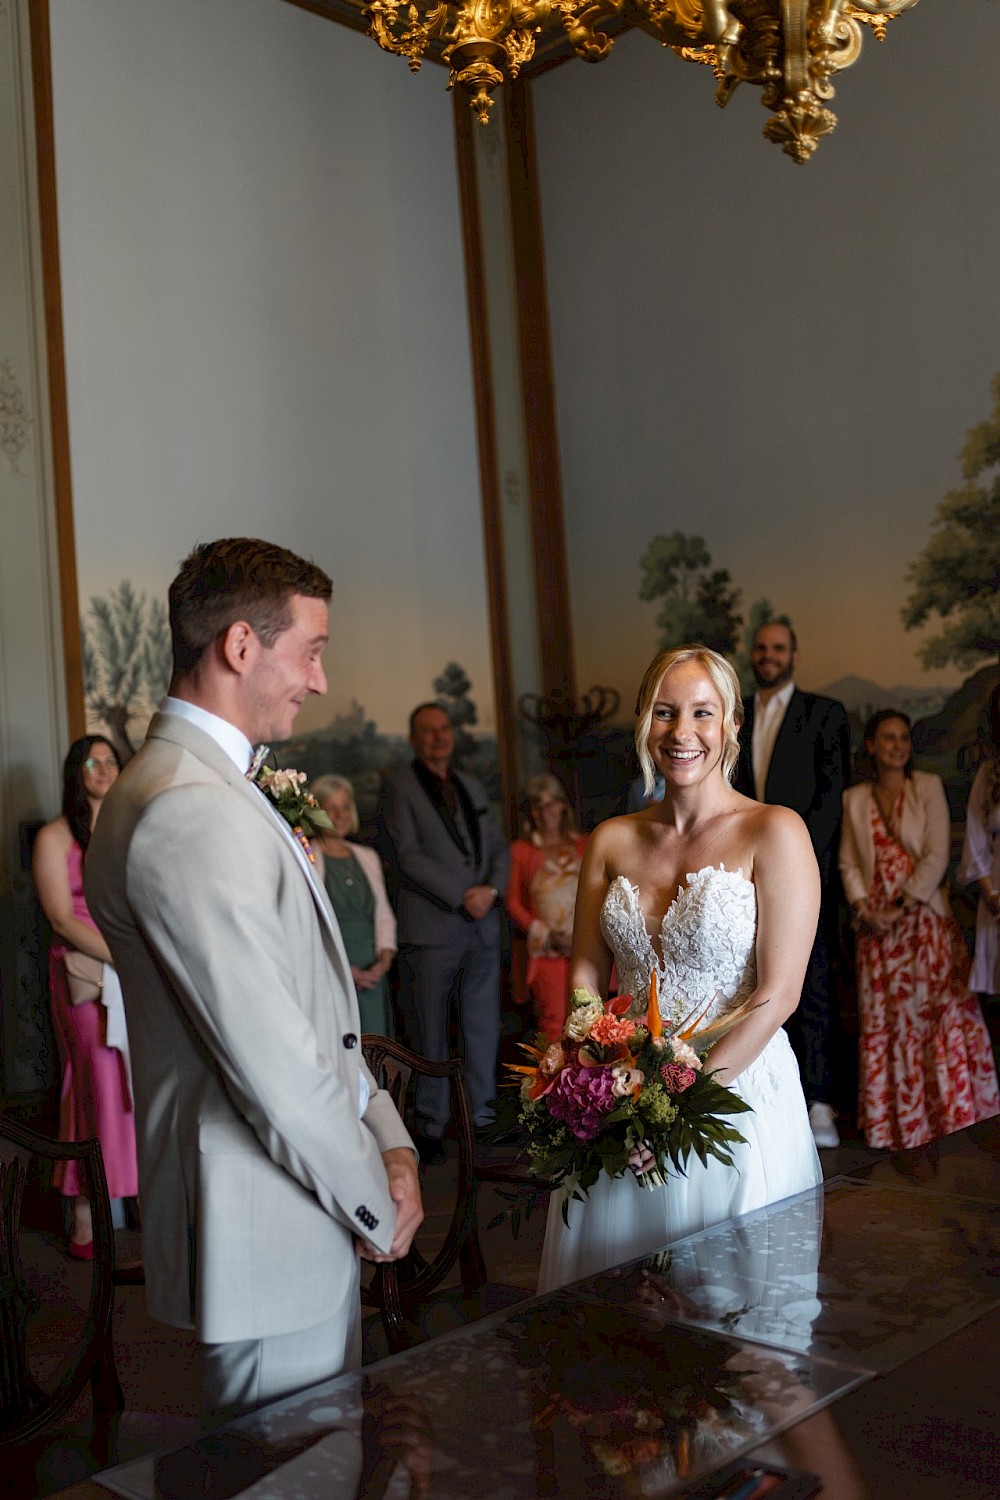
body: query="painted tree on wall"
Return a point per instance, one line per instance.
(126, 661)
(452, 688)
(957, 575)
(699, 602)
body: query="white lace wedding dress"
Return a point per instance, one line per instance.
(707, 941)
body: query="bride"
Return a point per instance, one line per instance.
(719, 895)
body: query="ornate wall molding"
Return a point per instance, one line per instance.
(15, 418)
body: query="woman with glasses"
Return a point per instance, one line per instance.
(95, 1098)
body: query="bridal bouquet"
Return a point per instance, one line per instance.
(614, 1082)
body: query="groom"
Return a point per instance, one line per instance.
(268, 1157)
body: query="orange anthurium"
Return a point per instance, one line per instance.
(654, 1021)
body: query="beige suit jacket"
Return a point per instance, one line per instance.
(255, 1171)
(924, 831)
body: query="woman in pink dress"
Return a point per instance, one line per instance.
(95, 1099)
(925, 1059)
(541, 896)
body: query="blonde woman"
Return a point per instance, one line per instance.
(541, 895)
(718, 895)
(352, 875)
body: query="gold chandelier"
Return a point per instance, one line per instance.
(790, 49)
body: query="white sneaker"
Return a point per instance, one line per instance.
(823, 1122)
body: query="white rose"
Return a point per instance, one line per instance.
(581, 1019)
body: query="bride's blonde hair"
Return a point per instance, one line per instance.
(727, 686)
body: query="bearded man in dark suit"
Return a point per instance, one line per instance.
(795, 750)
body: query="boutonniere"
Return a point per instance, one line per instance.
(289, 792)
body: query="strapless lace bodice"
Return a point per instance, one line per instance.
(707, 939)
(704, 956)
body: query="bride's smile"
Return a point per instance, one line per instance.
(686, 729)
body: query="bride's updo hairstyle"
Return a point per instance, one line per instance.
(727, 686)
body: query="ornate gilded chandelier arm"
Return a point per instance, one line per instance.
(405, 34)
(581, 18)
(878, 13)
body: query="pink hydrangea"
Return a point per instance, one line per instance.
(580, 1098)
(677, 1078)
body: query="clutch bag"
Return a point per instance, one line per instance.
(84, 977)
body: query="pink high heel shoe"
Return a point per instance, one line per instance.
(81, 1252)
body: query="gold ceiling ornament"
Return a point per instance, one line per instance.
(790, 49)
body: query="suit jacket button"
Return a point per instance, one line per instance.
(350, 1040)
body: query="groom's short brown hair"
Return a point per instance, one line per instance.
(237, 578)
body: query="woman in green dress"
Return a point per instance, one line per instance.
(352, 874)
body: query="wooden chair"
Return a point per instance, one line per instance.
(407, 1293)
(26, 1408)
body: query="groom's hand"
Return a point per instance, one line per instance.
(404, 1189)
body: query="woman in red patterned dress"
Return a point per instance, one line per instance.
(926, 1065)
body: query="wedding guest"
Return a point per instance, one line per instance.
(541, 896)
(926, 1064)
(95, 1098)
(980, 860)
(450, 862)
(355, 885)
(795, 751)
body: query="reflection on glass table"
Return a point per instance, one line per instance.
(966, 1163)
(558, 1397)
(858, 1274)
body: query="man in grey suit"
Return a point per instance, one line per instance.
(450, 863)
(268, 1156)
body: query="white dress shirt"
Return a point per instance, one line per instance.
(767, 720)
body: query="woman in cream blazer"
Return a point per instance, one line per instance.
(924, 831)
(926, 1065)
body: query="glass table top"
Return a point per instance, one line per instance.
(967, 1162)
(561, 1396)
(633, 1383)
(861, 1274)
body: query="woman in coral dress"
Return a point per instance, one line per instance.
(95, 1099)
(980, 860)
(541, 896)
(926, 1066)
